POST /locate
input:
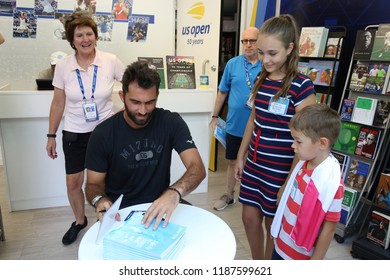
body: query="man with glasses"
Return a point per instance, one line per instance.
(234, 88)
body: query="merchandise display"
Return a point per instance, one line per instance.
(367, 88)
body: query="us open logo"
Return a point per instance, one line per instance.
(197, 10)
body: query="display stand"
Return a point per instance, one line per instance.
(354, 220)
(357, 219)
(362, 247)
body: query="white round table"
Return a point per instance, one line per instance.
(208, 237)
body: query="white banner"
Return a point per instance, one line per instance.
(198, 30)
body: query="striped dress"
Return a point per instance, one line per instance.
(270, 154)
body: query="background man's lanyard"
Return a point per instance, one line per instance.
(248, 81)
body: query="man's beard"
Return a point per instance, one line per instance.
(133, 117)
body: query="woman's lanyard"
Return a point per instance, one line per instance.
(93, 82)
(89, 108)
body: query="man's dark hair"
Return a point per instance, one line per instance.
(142, 74)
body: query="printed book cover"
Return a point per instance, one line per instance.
(323, 98)
(381, 48)
(368, 141)
(364, 110)
(347, 109)
(344, 161)
(381, 116)
(312, 41)
(363, 43)
(324, 69)
(133, 241)
(156, 63)
(333, 47)
(220, 132)
(348, 204)
(357, 174)
(378, 75)
(382, 193)
(181, 72)
(359, 76)
(303, 67)
(347, 140)
(378, 229)
(387, 88)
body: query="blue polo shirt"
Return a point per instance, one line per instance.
(234, 82)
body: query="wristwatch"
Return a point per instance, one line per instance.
(96, 200)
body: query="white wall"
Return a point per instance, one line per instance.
(22, 58)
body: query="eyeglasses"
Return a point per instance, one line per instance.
(250, 41)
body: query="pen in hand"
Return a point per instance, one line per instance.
(102, 211)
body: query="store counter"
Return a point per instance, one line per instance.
(33, 180)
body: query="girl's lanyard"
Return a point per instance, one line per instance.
(89, 107)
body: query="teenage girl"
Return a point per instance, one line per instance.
(280, 92)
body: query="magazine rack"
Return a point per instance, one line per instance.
(362, 247)
(336, 82)
(358, 218)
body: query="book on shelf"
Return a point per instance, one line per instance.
(347, 109)
(378, 76)
(381, 116)
(357, 174)
(363, 43)
(381, 48)
(382, 193)
(349, 201)
(333, 47)
(364, 110)
(156, 63)
(368, 142)
(386, 89)
(312, 41)
(359, 76)
(303, 67)
(348, 136)
(344, 161)
(324, 69)
(323, 98)
(378, 229)
(220, 132)
(180, 72)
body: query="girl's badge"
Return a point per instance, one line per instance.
(279, 106)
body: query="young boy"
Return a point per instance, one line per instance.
(310, 206)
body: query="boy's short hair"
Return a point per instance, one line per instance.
(316, 121)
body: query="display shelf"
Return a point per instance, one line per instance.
(356, 220)
(361, 246)
(331, 90)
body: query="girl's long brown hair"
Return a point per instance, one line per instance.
(285, 28)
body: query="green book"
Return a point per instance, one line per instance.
(348, 137)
